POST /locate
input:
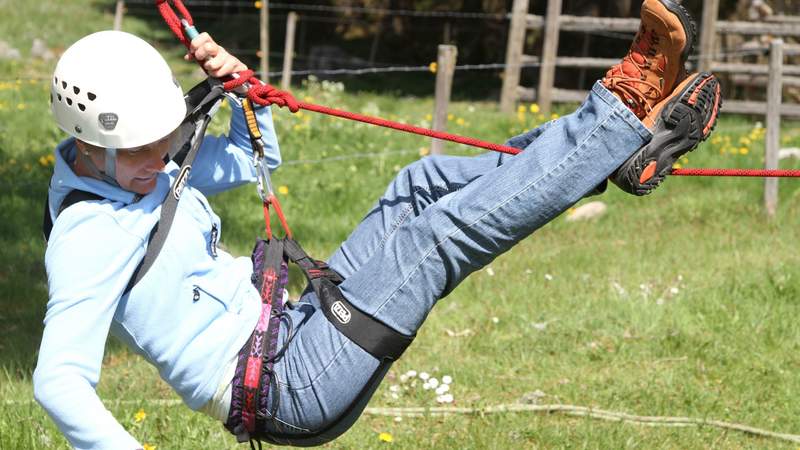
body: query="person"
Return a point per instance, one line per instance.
(439, 220)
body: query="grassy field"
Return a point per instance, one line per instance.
(684, 303)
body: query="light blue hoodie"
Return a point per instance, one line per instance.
(188, 316)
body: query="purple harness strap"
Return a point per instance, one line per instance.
(252, 379)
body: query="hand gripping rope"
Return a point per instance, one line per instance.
(264, 94)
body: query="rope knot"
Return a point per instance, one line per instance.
(269, 95)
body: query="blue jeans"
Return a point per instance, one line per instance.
(442, 218)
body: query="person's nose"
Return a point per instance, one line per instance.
(155, 160)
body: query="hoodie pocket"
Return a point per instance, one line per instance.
(225, 293)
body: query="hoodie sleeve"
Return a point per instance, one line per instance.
(225, 162)
(86, 278)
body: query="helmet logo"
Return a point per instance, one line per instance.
(108, 120)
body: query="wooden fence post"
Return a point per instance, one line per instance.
(265, 41)
(118, 15)
(774, 98)
(708, 36)
(514, 48)
(288, 51)
(547, 71)
(446, 67)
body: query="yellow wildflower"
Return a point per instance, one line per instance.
(744, 151)
(43, 161)
(309, 99)
(385, 437)
(460, 121)
(521, 109)
(51, 159)
(554, 116)
(424, 151)
(677, 166)
(298, 127)
(745, 141)
(428, 117)
(149, 447)
(21, 106)
(433, 67)
(283, 190)
(535, 108)
(450, 117)
(257, 5)
(140, 415)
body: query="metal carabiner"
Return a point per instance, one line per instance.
(263, 181)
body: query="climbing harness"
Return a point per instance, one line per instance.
(254, 377)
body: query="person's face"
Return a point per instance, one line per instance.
(138, 168)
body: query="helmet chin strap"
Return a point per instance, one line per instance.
(109, 176)
(111, 163)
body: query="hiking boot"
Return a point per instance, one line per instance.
(681, 122)
(656, 61)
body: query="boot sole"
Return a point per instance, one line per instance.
(686, 121)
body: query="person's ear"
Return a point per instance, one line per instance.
(82, 146)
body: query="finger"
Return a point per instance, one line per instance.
(212, 65)
(203, 52)
(199, 41)
(240, 66)
(226, 69)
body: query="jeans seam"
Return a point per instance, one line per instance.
(408, 209)
(398, 221)
(531, 185)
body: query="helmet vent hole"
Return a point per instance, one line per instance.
(55, 80)
(64, 84)
(76, 89)
(81, 106)
(59, 97)
(69, 101)
(91, 96)
(51, 98)
(78, 129)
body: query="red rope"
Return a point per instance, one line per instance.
(737, 173)
(265, 95)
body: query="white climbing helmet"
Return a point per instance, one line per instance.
(114, 90)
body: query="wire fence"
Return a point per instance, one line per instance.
(383, 69)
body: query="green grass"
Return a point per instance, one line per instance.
(683, 303)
